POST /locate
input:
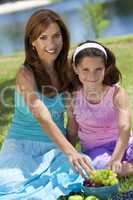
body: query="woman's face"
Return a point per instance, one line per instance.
(49, 44)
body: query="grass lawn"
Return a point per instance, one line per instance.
(122, 47)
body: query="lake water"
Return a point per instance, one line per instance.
(120, 15)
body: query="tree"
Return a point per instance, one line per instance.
(97, 14)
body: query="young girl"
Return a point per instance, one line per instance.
(99, 114)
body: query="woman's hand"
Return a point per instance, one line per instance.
(25, 81)
(81, 163)
(115, 165)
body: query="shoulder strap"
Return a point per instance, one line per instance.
(110, 95)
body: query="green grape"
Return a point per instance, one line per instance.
(113, 182)
(111, 173)
(75, 197)
(106, 182)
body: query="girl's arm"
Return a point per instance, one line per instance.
(72, 126)
(124, 123)
(25, 84)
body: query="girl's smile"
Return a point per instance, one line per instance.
(91, 71)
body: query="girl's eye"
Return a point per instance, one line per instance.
(99, 69)
(57, 35)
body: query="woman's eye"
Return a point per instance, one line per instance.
(43, 37)
(85, 70)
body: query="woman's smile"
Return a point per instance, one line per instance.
(49, 44)
(50, 51)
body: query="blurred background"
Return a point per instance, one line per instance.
(85, 19)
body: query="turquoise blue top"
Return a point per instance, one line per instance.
(25, 126)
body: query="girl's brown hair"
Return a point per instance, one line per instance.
(39, 21)
(112, 74)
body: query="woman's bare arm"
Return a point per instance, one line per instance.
(25, 84)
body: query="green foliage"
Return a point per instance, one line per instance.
(8, 69)
(97, 14)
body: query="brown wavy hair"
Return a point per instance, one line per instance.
(112, 73)
(35, 26)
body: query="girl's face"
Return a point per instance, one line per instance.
(49, 44)
(91, 71)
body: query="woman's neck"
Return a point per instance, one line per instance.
(49, 67)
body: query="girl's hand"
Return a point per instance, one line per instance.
(81, 164)
(25, 80)
(115, 165)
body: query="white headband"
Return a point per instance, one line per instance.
(88, 45)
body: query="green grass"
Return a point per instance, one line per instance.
(8, 69)
(121, 46)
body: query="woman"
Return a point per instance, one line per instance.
(31, 165)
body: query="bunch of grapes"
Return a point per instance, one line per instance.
(98, 178)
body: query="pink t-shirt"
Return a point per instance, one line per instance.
(97, 123)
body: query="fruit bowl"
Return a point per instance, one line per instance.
(102, 184)
(103, 192)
